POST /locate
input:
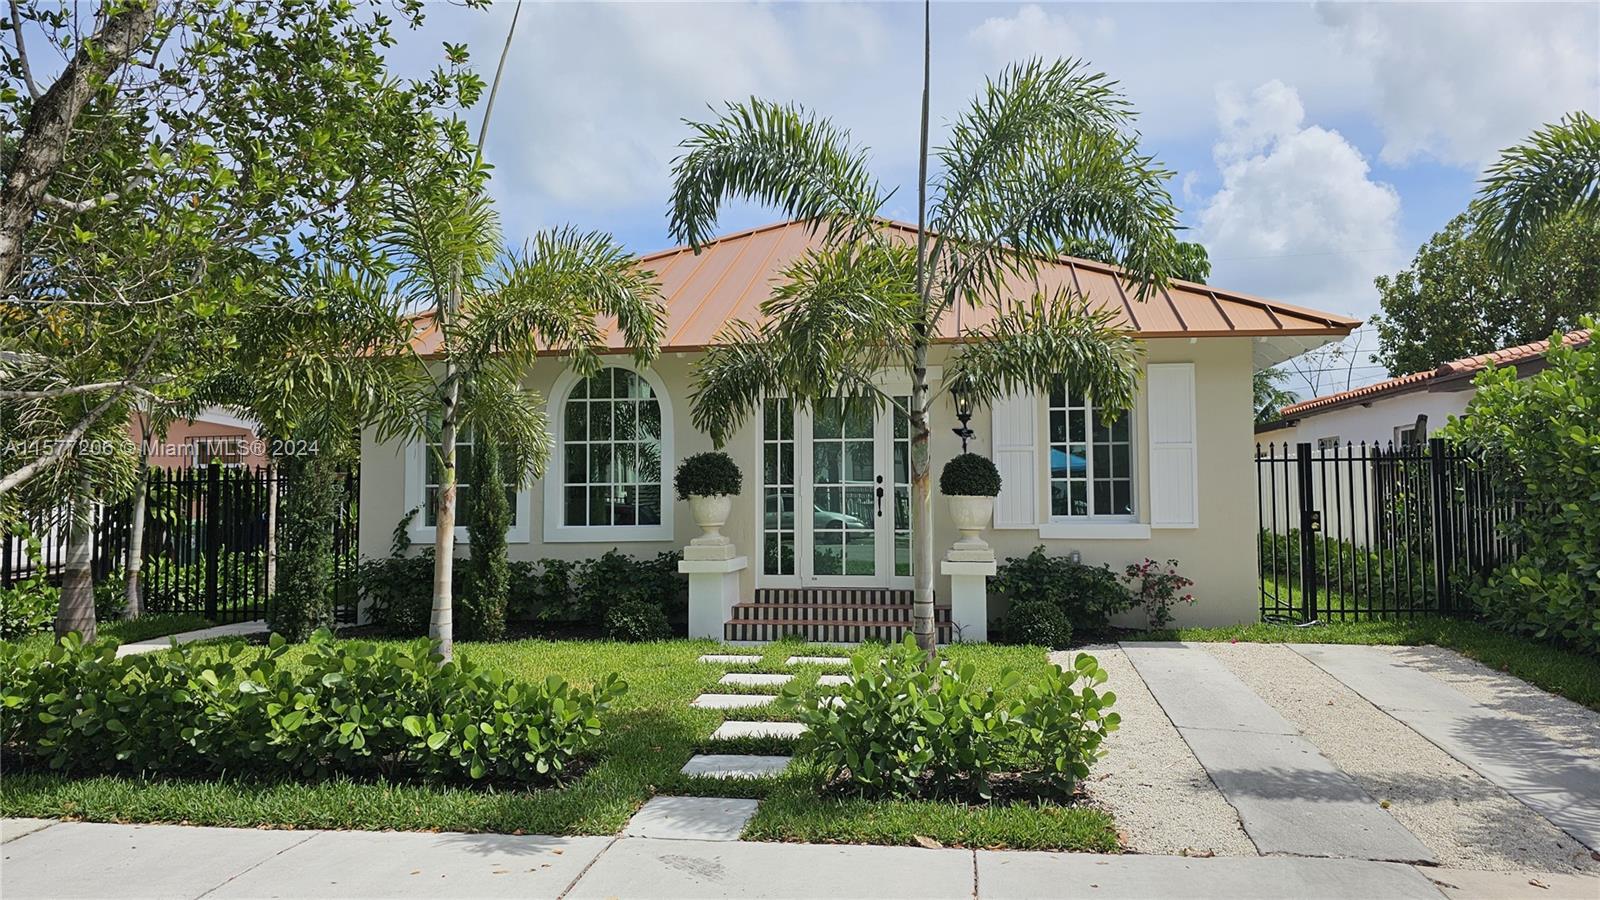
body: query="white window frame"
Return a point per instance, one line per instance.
(1324, 444)
(556, 531)
(416, 495)
(1109, 525)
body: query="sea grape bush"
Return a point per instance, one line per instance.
(353, 708)
(903, 728)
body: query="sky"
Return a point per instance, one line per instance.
(1315, 146)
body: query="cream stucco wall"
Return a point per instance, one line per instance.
(1219, 554)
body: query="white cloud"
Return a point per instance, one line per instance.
(1458, 82)
(1298, 216)
(1034, 32)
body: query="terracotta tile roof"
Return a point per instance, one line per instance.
(732, 275)
(1461, 368)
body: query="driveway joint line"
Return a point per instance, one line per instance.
(253, 866)
(587, 866)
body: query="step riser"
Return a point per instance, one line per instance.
(829, 596)
(831, 614)
(824, 632)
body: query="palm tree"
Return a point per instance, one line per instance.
(1042, 156)
(492, 311)
(1553, 174)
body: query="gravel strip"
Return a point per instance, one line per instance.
(1466, 820)
(1575, 726)
(1162, 799)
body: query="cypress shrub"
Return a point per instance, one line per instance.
(483, 612)
(303, 600)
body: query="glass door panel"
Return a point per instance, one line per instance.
(844, 472)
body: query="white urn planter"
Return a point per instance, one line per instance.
(972, 515)
(710, 512)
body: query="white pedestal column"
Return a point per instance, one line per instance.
(969, 596)
(713, 590)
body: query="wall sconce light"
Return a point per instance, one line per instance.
(963, 401)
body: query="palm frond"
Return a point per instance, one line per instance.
(1041, 159)
(733, 375)
(443, 229)
(495, 403)
(1556, 172)
(558, 293)
(1033, 343)
(777, 155)
(840, 313)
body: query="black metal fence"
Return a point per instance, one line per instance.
(1370, 532)
(209, 543)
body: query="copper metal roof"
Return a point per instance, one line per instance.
(1457, 369)
(731, 276)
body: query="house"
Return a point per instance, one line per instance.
(1403, 410)
(215, 434)
(822, 550)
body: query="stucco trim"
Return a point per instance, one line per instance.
(1091, 530)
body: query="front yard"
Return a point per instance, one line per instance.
(649, 737)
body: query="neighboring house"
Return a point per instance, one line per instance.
(824, 516)
(214, 435)
(1403, 410)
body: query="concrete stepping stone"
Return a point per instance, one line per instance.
(691, 819)
(735, 765)
(755, 678)
(728, 731)
(817, 661)
(729, 658)
(731, 701)
(833, 680)
(1556, 782)
(1291, 799)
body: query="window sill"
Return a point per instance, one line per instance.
(1092, 530)
(606, 534)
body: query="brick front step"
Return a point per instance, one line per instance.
(833, 632)
(832, 596)
(831, 613)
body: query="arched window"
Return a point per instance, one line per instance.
(612, 455)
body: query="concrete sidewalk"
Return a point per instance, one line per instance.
(71, 859)
(237, 629)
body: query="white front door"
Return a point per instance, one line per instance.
(835, 495)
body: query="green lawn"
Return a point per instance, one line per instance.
(651, 735)
(141, 629)
(1573, 675)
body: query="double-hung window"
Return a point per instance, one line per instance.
(1091, 458)
(465, 490)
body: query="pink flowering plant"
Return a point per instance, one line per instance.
(1157, 587)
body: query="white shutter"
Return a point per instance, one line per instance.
(1014, 426)
(1174, 469)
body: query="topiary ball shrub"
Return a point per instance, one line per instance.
(637, 621)
(969, 475)
(708, 475)
(1038, 622)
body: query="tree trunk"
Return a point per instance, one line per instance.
(76, 612)
(921, 507)
(441, 628)
(272, 530)
(133, 564)
(43, 144)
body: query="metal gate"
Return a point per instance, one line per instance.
(1371, 532)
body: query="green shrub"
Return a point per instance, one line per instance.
(1156, 588)
(488, 583)
(637, 620)
(903, 728)
(28, 606)
(348, 709)
(969, 475)
(302, 601)
(1088, 595)
(110, 597)
(1543, 435)
(1038, 622)
(707, 475)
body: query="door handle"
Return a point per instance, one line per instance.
(880, 496)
